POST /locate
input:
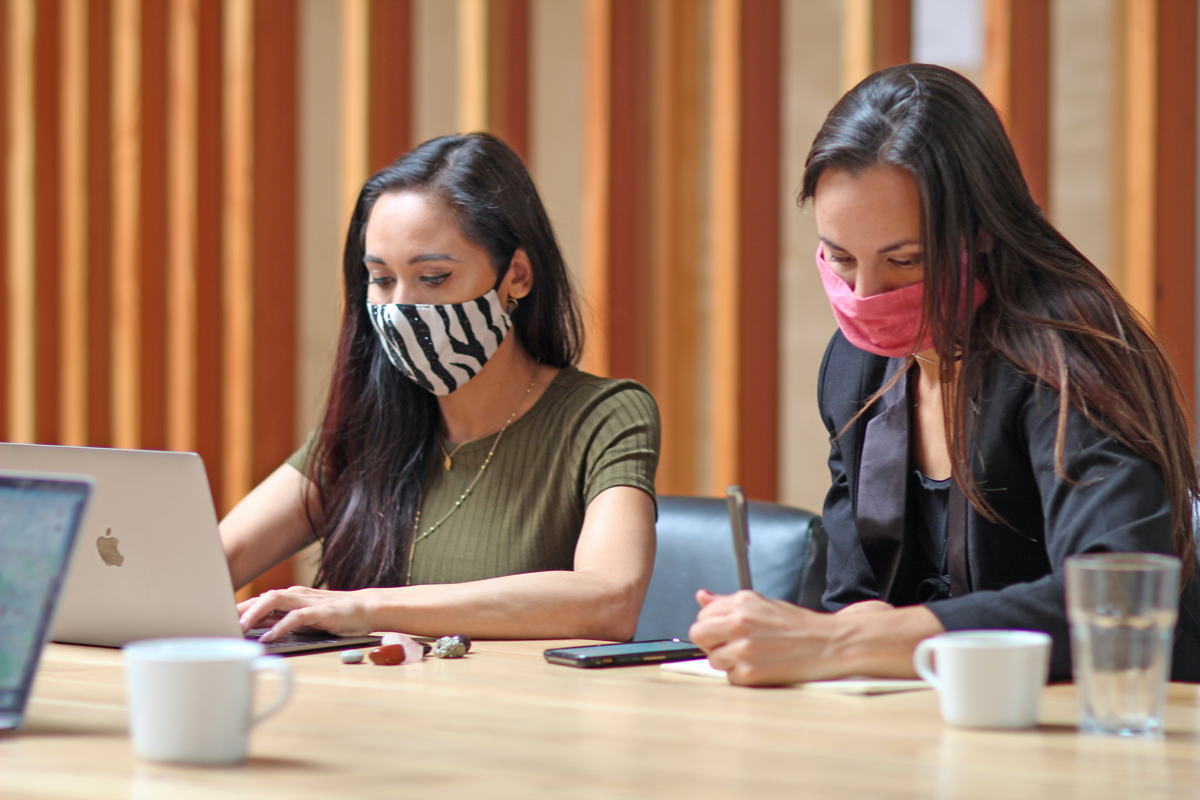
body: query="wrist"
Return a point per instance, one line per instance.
(881, 643)
(849, 652)
(371, 601)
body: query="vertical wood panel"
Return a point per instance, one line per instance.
(875, 34)
(355, 92)
(1175, 196)
(152, 291)
(677, 213)
(19, 274)
(47, 252)
(1160, 180)
(1016, 77)
(182, 218)
(390, 51)
(759, 245)
(472, 65)
(508, 73)
(274, 248)
(616, 204)
(73, 221)
(100, 217)
(209, 246)
(126, 217)
(6, 29)
(237, 276)
(598, 165)
(726, 240)
(745, 146)
(1141, 100)
(274, 236)
(891, 34)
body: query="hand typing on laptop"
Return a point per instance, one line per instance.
(304, 610)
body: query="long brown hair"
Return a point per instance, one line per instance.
(1049, 310)
(373, 450)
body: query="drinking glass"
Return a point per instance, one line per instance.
(1122, 609)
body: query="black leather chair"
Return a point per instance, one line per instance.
(695, 551)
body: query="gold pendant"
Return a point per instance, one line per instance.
(447, 463)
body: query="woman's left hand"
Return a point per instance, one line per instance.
(340, 613)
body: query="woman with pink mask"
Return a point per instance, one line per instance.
(994, 406)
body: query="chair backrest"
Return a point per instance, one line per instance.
(695, 551)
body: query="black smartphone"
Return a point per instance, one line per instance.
(741, 534)
(618, 655)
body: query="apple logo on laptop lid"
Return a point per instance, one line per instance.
(107, 545)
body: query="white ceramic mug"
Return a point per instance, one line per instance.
(191, 700)
(986, 679)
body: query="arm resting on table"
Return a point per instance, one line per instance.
(599, 599)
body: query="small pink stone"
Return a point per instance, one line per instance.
(413, 651)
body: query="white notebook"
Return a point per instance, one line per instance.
(857, 686)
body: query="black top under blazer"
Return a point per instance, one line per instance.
(1002, 575)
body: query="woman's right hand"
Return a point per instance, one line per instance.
(340, 613)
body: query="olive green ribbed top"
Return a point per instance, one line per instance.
(585, 434)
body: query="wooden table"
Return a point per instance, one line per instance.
(503, 723)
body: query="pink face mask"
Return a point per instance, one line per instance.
(884, 324)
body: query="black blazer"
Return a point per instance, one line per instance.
(1003, 574)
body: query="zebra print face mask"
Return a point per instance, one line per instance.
(441, 347)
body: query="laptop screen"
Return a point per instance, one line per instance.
(38, 521)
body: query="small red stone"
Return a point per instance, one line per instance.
(388, 655)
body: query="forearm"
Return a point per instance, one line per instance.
(536, 605)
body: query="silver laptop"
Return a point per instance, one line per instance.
(149, 561)
(40, 515)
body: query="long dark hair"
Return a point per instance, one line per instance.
(1049, 310)
(373, 450)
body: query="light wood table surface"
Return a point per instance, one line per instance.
(503, 723)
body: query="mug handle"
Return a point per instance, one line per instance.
(923, 663)
(277, 665)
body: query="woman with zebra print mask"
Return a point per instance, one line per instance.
(466, 477)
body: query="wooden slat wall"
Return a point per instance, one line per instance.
(355, 95)
(182, 221)
(390, 102)
(1017, 81)
(493, 70)
(508, 73)
(616, 200)
(1159, 202)
(745, 226)
(20, 398)
(677, 235)
(875, 34)
(152, 228)
(73, 223)
(7, 74)
(148, 228)
(47, 256)
(99, 317)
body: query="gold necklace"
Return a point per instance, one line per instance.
(417, 522)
